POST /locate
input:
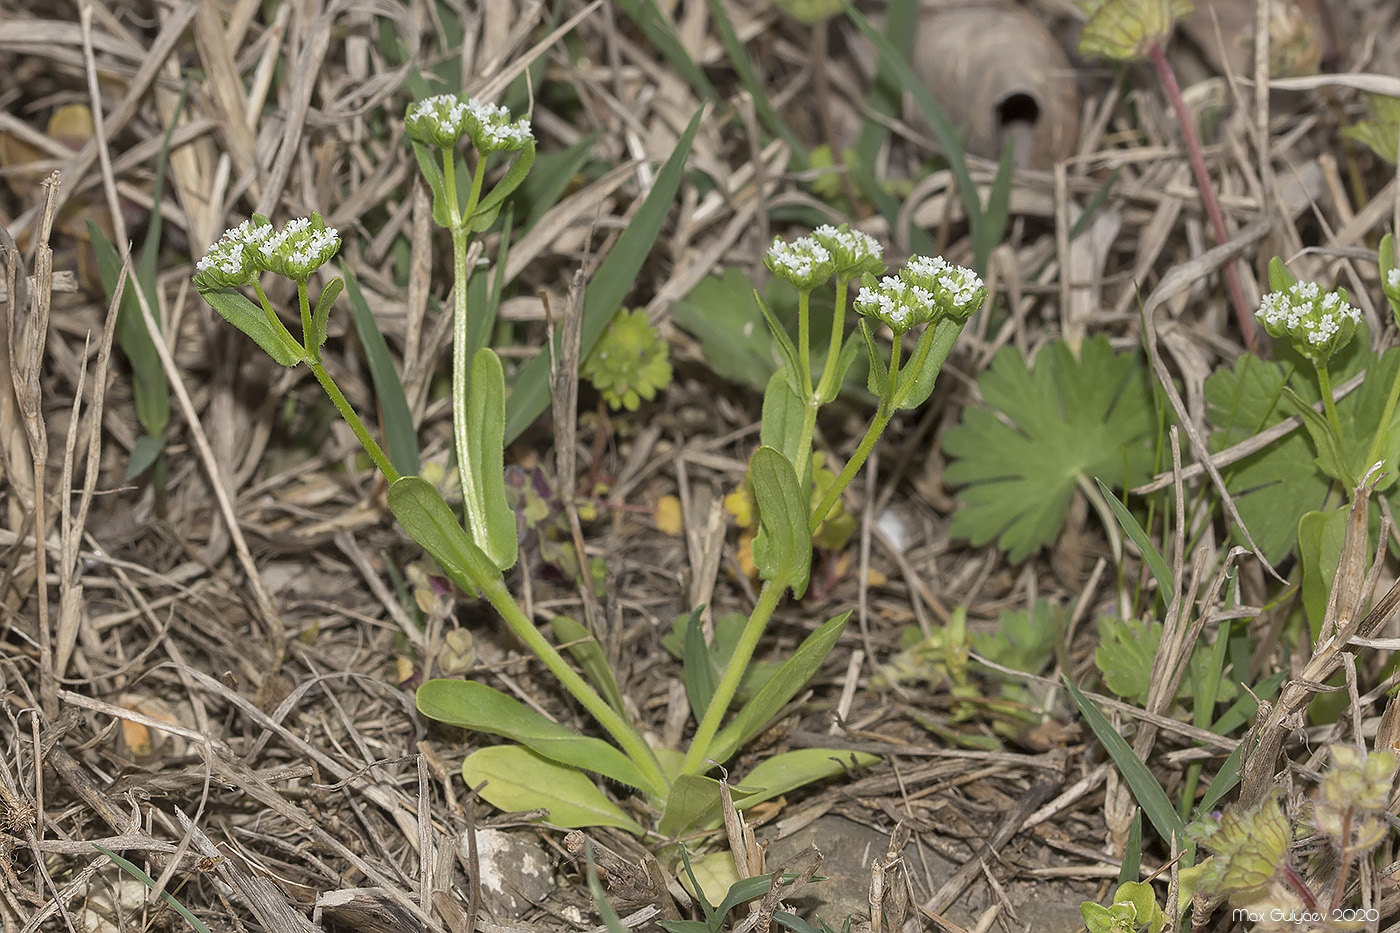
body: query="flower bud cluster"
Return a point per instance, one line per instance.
(442, 120)
(296, 251)
(926, 288)
(1318, 323)
(810, 261)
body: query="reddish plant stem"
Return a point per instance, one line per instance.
(1203, 182)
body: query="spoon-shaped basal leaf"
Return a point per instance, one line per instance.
(518, 779)
(241, 312)
(481, 708)
(481, 463)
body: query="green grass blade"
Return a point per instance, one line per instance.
(657, 28)
(396, 422)
(1146, 790)
(604, 295)
(135, 871)
(937, 119)
(1155, 561)
(993, 227)
(743, 66)
(901, 21)
(1132, 853)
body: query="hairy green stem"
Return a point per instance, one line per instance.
(696, 756)
(622, 731)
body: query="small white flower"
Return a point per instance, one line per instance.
(853, 252)
(1317, 323)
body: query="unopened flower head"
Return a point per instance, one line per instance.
(958, 291)
(299, 248)
(853, 252)
(895, 302)
(804, 262)
(492, 130)
(1318, 323)
(234, 259)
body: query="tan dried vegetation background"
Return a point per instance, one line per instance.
(217, 684)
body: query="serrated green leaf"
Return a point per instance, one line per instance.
(480, 708)
(519, 779)
(1068, 420)
(791, 677)
(1125, 654)
(783, 548)
(1022, 640)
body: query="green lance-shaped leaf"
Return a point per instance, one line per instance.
(935, 343)
(481, 464)
(585, 650)
(519, 779)
(694, 801)
(783, 548)
(844, 360)
(486, 211)
(427, 519)
(481, 708)
(321, 316)
(429, 163)
(791, 677)
(1331, 449)
(241, 312)
(791, 364)
(781, 427)
(700, 674)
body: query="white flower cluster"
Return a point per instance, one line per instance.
(1392, 279)
(444, 119)
(232, 259)
(804, 262)
(492, 130)
(1318, 323)
(895, 303)
(959, 291)
(853, 252)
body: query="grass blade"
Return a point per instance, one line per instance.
(395, 420)
(530, 395)
(1146, 790)
(135, 871)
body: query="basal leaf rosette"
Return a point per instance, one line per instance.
(1317, 323)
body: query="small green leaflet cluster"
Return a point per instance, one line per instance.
(1046, 430)
(629, 362)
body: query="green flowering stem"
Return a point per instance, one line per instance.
(1203, 183)
(459, 218)
(1324, 384)
(342, 405)
(695, 757)
(272, 317)
(883, 414)
(838, 331)
(624, 733)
